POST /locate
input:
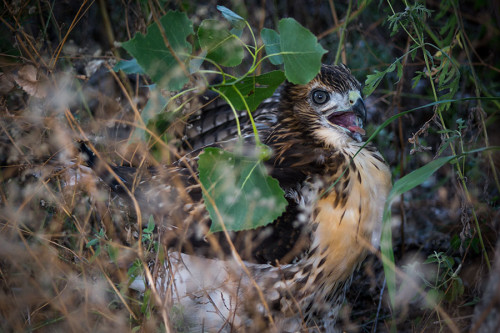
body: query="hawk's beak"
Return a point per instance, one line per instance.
(359, 109)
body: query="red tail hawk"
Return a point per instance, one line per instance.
(315, 132)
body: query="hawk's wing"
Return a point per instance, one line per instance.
(172, 194)
(216, 122)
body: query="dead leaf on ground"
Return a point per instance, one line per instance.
(27, 79)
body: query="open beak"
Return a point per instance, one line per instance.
(359, 109)
(352, 119)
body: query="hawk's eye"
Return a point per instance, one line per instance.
(320, 96)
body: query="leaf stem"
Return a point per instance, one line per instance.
(254, 127)
(232, 109)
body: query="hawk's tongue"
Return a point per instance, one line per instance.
(346, 120)
(356, 129)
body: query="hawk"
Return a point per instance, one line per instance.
(298, 269)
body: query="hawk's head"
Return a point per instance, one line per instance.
(330, 107)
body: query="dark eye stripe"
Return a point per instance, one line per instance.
(320, 96)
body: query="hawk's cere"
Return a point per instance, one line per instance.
(298, 268)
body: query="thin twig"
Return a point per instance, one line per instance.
(380, 298)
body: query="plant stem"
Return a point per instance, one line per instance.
(343, 33)
(478, 94)
(232, 108)
(452, 147)
(254, 127)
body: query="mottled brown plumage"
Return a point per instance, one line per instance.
(335, 189)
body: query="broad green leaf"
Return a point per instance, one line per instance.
(221, 46)
(155, 58)
(129, 67)
(271, 40)
(244, 195)
(301, 51)
(254, 89)
(401, 186)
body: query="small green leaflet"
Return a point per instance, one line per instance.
(245, 197)
(254, 89)
(221, 46)
(236, 21)
(154, 57)
(373, 80)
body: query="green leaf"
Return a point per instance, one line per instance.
(155, 58)
(443, 75)
(134, 270)
(432, 258)
(401, 186)
(417, 177)
(129, 67)
(301, 52)
(400, 70)
(429, 55)
(416, 79)
(92, 242)
(112, 252)
(450, 26)
(455, 242)
(272, 44)
(254, 89)
(474, 301)
(474, 243)
(145, 301)
(433, 297)
(413, 54)
(221, 46)
(245, 197)
(449, 262)
(372, 81)
(236, 21)
(151, 225)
